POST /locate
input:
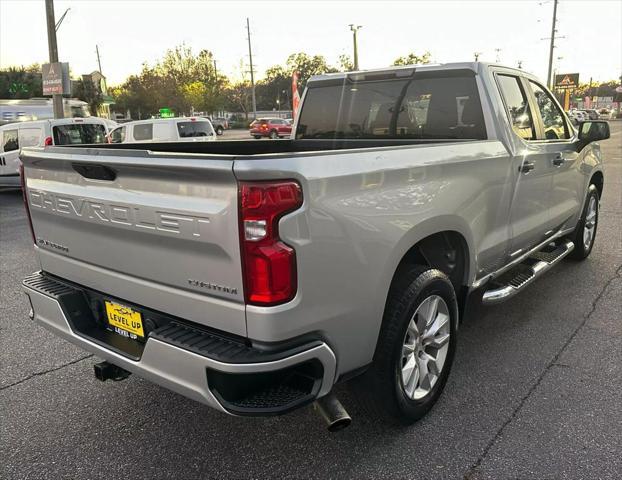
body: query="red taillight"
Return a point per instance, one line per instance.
(269, 265)
(48, 141)
(25, 196)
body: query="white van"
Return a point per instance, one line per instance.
(67, 131)
(180, 129)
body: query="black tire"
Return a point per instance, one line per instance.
(581, 250)
(219, 130)
(257, 137)
(381, 389)
(274, 135)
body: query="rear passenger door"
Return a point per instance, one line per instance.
(556, 142)
(529, 216)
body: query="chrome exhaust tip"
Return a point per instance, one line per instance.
(332, 411)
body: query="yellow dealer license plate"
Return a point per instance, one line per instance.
(124, 320)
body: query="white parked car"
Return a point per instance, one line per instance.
(67, 131)
(180, 129)
(578, 116)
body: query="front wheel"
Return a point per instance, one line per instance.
(274, 135)
(584, 235)
(219, 131)
(415, 349)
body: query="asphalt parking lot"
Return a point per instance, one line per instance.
(535, 392)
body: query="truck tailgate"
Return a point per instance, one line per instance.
(159, 230)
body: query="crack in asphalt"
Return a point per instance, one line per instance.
(44, 372)
(471, 471)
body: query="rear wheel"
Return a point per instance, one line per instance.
(415, 347)
(257, 137)
(584, 235)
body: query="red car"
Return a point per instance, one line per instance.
(271, 127)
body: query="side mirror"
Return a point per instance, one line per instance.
(593, 131)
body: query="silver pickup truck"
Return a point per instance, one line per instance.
(255, 276)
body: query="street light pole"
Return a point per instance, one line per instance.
(355, 29)
(57, 99)
(552, 47)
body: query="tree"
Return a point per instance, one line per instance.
(413, 59)
(181, 81)
(307, 66)
(239, 96)
(21, 82)
(346, 64)
(90, 93)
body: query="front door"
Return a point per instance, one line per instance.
(529, 220)
(556, 143)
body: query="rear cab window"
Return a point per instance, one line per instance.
(79, 133)
(194, 129)
(428, 105)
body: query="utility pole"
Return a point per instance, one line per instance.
(552, 47)
(250, 56)
(355, 29)
(497, 56)
(57, 99)
(476, 55)
(99, 64)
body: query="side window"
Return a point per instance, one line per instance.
(29, 137)
(117, 135)
(517, 105)
(143, 131)
(552, 117)
(10, 141)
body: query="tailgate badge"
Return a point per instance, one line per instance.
(212, 286)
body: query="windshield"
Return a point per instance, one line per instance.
(81, 111)
(79, 134)
(425, 107)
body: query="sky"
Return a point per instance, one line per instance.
(131, 32)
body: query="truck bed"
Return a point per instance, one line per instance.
(266, 147)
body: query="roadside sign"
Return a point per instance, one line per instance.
(567, 81)
(55, 78)
(166, 113)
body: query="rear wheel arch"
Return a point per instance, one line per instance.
(446, 251)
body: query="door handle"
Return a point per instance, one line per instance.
(559, 160)
(526, 167)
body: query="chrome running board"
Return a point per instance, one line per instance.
(524, 273)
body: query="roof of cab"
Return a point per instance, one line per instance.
(408, 70)
(164, 120)
(56, 121)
